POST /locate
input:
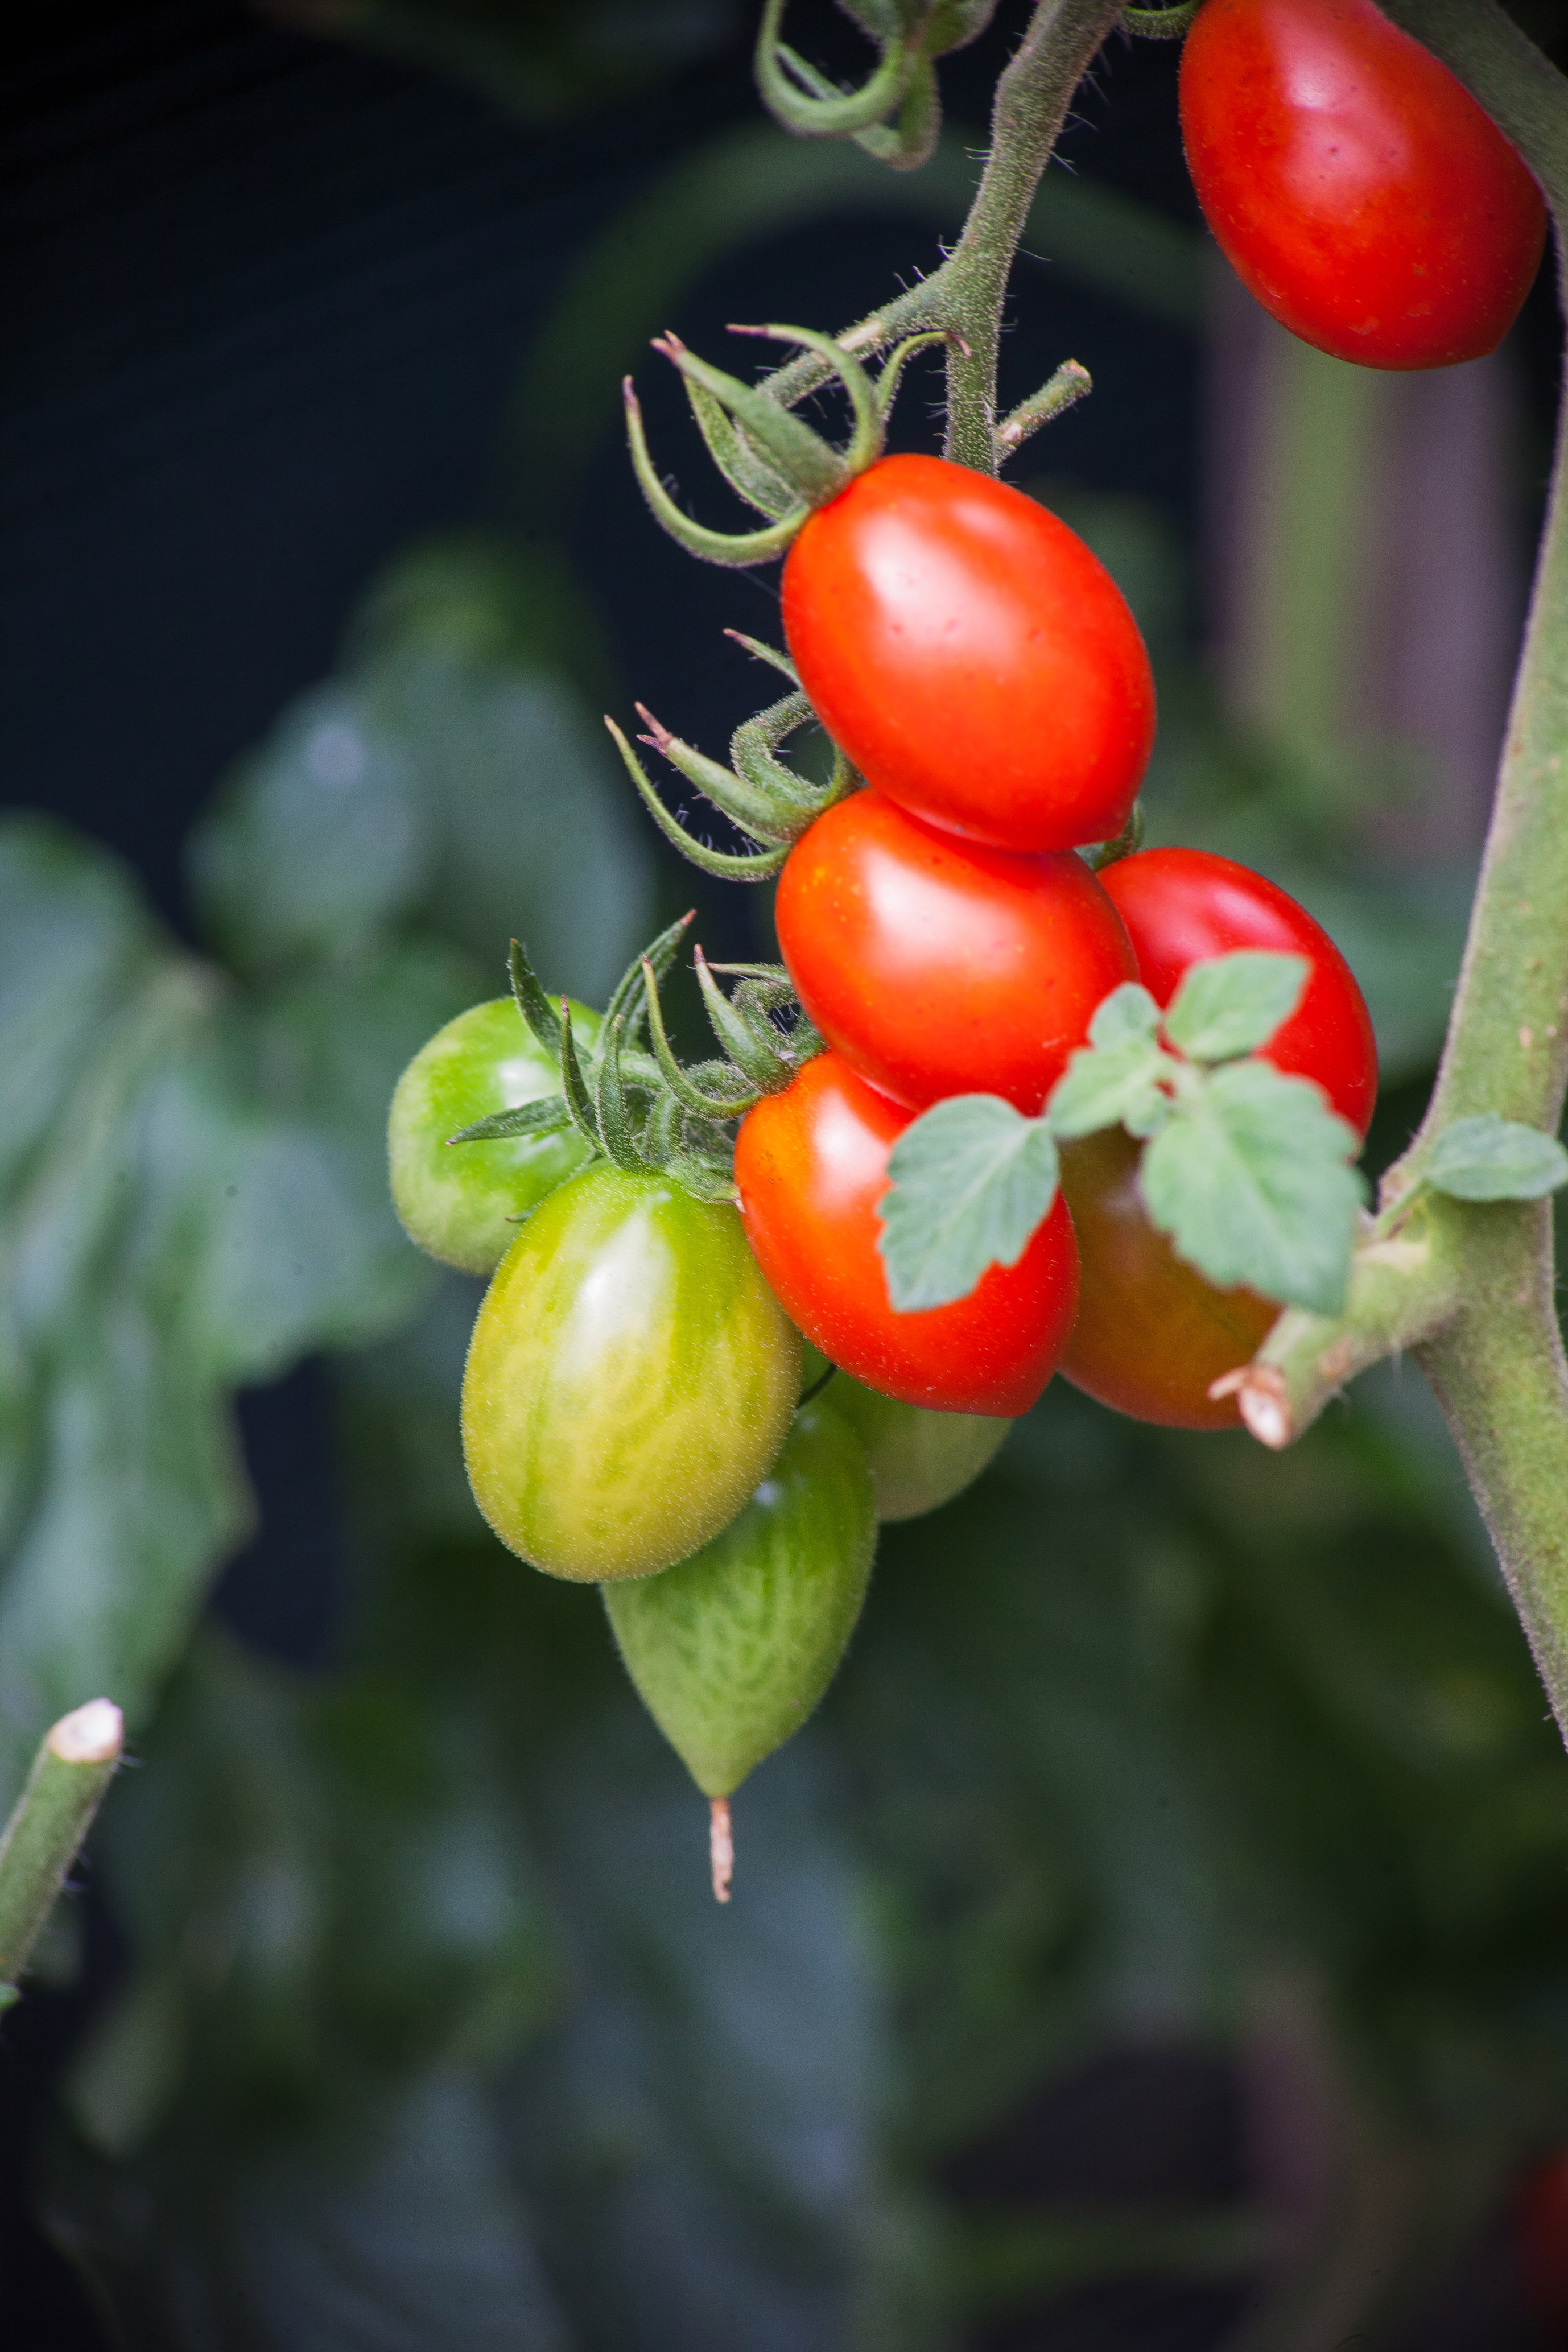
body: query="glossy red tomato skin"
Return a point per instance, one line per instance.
(971, 655)
(810, 1166)
(937, 968)
(1354, 186)
(1182, 905)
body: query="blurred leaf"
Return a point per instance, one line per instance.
(1493, 1158)
(481, 599)
(452, 779)
(320, 841)
(73, 938)
(398, 2229)
(697, 2135)
(537, 840)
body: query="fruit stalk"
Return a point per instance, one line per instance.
(1483, 1323)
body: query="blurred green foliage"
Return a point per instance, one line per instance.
(429, 2031)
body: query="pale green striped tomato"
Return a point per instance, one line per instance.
(462, 1201)
(630, 1378)
(732, 1650)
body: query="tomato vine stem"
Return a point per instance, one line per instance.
(964, 295)
(1470, 1288)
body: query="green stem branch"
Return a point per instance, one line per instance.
(965, 295)
(1030, 108)
(65, 1788)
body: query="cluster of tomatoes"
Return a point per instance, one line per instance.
(640, 1409)
(983, 674)
(631, 1407)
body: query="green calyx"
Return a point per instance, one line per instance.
(1102, 853)
(757, 791)
(767, 455)
(641, 1110)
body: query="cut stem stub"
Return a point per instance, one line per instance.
(65, 1788)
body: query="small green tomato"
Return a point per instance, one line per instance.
(919, 1459)
(461, 1202)
(630, 1378)
(733, 1649)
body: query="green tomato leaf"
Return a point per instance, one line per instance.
(971, 1179)
(1111, 1086)
(1493, 1158)
(1231, 1004)
(1252, 1184)
(1127, 1015)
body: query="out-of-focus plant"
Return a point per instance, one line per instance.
(422, 2028)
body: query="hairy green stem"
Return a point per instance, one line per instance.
(1030, 107)
(1470, 1288)
(65, 1788)
(966, 294)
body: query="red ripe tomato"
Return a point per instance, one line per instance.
(1152, 1333)
(1541, 2226)
(1182, 905)
(971, 655)
(1354, 186)
(937, 969)
(810, 1165)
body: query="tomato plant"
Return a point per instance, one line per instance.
(1354, 184)
(971, 655)
(630, 1381)
(938, 969)
(811, 1164)
(462, 1202)
(1183, 905)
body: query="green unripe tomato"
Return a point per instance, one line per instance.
(732, 1650)
(460, 1202)
(630, 1378)
(918, 1459)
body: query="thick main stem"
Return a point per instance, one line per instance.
(1476, 1301)
(1498, 1368)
